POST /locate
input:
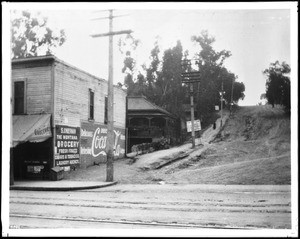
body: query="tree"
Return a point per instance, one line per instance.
(208, 56)
(129, 64)
(278, 86)
(212, 75)
(127, 45)
(153, 73)
(238, 91)
(31, 36)
(162, 83)
(172, 92)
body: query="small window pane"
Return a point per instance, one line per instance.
(91, 106)
(19, 93)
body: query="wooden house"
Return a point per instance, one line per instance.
(147, 122)
(60, 116)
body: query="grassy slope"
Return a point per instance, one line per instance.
(254, 149)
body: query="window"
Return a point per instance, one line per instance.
(105, 110)
(91, 104)
(19, 97)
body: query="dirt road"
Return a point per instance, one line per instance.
(155, 206)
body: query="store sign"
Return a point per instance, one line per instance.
(94, 141)
(35, 169)
(67, 145)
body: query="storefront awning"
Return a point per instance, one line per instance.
(32, 128)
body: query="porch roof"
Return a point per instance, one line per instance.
(139, 105)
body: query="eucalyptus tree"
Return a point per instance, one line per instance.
(31, 36)
(278, 86)
(215, 78)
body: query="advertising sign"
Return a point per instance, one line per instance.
(94, 139)
(67, 145)
(197, 125)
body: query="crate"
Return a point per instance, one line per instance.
(56, 173)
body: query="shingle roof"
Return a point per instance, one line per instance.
(140, 103)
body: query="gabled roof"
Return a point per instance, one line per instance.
(141, 104)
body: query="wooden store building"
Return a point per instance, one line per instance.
(60, 117)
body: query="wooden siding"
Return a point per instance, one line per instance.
(38, 88)
(72, 97)
(119, 107)
(71, 93)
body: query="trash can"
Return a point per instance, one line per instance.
(56, 173)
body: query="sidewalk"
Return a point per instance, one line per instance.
(62, 185)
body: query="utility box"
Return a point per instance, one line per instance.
(56, 173)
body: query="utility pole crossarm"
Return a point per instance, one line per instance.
(99, 18)
(112, 33)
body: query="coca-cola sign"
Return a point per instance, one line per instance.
(99, 142)
(94, 140)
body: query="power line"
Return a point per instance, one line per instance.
(100, 18)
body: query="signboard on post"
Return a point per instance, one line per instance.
(190, 77)
(197, 125)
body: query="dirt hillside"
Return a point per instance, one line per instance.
(253, 147)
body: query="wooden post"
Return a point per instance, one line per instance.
(11, 159)
(192, 115)
(231, 101)
(110, 108)
(222, 105)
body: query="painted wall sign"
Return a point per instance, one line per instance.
(67, 145)
(94, 140)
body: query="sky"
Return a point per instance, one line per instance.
(255, 34)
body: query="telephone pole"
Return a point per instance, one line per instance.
(190, 77)
(110, 97)
(222, 104)
(192, 114)
(231, 101)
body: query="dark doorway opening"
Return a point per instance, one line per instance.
(32, 160)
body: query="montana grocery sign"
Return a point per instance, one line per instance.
(67, 145)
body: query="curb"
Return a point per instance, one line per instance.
(41, 188)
